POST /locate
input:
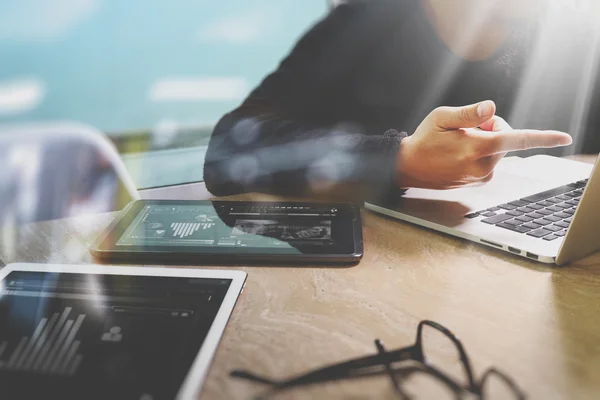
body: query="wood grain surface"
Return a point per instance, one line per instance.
(539, 324)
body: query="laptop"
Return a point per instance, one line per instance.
(541, 207)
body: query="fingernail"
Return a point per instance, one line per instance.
(485, 109)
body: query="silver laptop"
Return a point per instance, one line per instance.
(543, 208)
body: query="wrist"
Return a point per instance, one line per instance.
(404, 176)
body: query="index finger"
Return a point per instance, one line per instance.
(513, 140)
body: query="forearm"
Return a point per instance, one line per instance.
(272, 154)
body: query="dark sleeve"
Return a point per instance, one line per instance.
(293, 134)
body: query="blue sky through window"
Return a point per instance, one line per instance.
(125, 65)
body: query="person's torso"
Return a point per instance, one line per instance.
(405, 76)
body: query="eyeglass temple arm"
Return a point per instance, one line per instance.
(363, 371)
(331, 372)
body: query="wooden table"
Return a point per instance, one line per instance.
(540, 324)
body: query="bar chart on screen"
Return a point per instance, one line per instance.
(51, 349)
(185, 229)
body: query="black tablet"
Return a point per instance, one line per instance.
(199, 232)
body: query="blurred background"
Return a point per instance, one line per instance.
(145, 82)
(155, 76)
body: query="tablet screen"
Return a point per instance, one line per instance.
(89, 336)
(202, 225)
(229, 228)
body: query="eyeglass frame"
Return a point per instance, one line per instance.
(350, 369)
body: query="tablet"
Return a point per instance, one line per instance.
(99, 332)
(199, 232)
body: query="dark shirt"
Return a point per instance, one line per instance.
(335, 111)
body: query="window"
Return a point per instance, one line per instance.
(155, 76)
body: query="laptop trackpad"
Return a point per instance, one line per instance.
(515, 178)
(448, 207)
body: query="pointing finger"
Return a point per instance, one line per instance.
(505, 141)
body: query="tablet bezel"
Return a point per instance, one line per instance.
(196, 375)
(349, 250)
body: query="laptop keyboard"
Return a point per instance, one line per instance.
(545, 215)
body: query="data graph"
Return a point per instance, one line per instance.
(51, 348)
(185, 229)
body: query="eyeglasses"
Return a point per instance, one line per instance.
(398, 365)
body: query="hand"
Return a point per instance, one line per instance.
(457, 146)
